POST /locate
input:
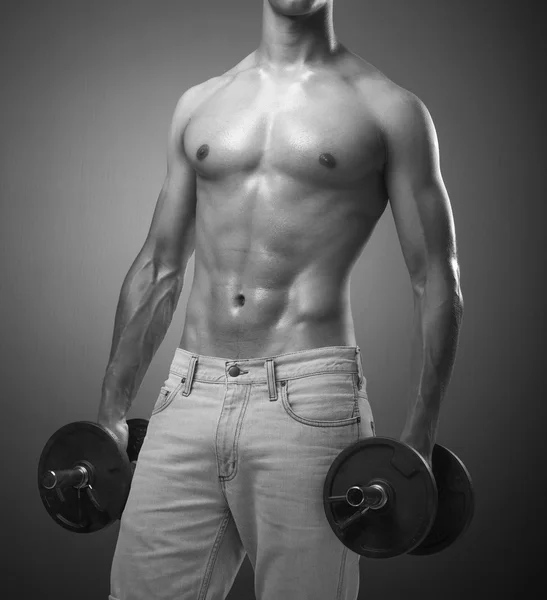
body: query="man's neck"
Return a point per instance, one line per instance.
(294, 42)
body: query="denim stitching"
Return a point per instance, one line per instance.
(168, 399)
(315, 373)
(216, 435)
(213, 556)
(277, 355)
(360, 375)
(237, 434)
(313, 422)
(356, 411)
(189, 378)
(222, 380)
(341, 573)
(270, 377)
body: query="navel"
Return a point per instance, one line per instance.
(202, 152)
(327, 160)
(239, 300)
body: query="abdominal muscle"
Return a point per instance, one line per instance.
(272, 276)
(233, 319)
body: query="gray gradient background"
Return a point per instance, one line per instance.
(87, 93)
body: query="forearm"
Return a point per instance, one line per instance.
(438, 315)
(146, 305)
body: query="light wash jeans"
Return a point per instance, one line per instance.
(234, 463)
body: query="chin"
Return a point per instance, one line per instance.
(296, 8)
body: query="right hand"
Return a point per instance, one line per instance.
(119, 430)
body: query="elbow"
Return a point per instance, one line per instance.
(441, 283)
(454, 300)
(169, 272)
(157, 269)
(459, 306)
(457, 288)
(460, 302)
(169, 260)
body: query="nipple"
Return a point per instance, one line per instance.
(202, 152)
(327, 160)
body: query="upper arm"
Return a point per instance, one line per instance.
(417, 194)
(171, 237)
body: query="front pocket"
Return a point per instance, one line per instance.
(323, 400)
(367, 428)
(167, 394)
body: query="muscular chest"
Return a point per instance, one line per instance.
(317, 132)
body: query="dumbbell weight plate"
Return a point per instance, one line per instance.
(86, 510)
(405, 520)
(456, 502)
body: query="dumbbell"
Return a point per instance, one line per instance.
(84, 477)
(382, 499)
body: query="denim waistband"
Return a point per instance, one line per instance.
(269, 369)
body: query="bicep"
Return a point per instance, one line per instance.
(418, 197)
(172, 230)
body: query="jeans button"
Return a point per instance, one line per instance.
(234, 371)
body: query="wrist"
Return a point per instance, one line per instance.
(112, 409)
(422, 443)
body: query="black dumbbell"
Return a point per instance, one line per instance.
(382, 499)
(84, 477)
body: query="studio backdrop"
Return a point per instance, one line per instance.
(87, 91)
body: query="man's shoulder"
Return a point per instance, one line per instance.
(199, 93)
(196, 94)
(393, 106)
(375, 87)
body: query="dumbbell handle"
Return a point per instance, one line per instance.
(364, 497)
(77, 477)
(373, 496)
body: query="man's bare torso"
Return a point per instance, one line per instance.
(289, 189)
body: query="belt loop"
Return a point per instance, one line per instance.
(359, 367)
(189, 379)
(270, 374)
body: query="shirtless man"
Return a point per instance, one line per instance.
(277, 173)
